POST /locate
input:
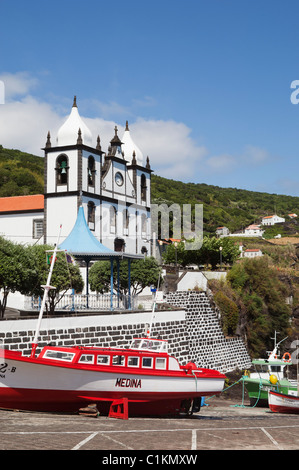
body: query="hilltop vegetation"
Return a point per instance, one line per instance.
(230, 207)
(21, 173)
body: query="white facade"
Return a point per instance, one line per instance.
(254, 231)
(252, 253)
(222, 232)
(272, 219)
(112, 187)
(21, 218)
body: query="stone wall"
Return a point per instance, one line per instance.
(192, 329)
(207, 345)
(105, 330)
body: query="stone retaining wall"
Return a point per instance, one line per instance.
(208, 347)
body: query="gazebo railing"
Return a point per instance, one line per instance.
(75, 302)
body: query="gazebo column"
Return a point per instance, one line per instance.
(129, 282)
(117, 282)
(111, 283)
(87, 261)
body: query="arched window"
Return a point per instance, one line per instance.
(144, 251)
(91, 209)
(113, 215)
(62, 170)
(91, 171)
(126, 220)
(143, 187)
(119, 244)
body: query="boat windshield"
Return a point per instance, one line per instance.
(261, 367)
(149, 344)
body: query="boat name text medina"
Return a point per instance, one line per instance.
(131, 383)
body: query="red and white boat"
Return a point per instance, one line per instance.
(282, 403)
(141, 380)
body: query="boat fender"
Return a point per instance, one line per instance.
(286, 357)
(190, 367)
(273, 379)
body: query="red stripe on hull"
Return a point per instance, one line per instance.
(283, 409)
(72, 401)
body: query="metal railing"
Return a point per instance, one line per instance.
(74, 302)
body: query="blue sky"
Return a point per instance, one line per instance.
(205, 85)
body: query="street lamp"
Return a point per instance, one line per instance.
(220, 249)
(176, 253)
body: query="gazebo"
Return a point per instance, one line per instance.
(83, 245)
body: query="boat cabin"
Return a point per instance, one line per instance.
(144, 354)
(264, 368)
(149, 344)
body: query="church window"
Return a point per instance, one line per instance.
(62, 170)
(143, 224)
(91, 171)
(113, 215)
(91, 215)
(119, 244)
(126, 220)
(143, 187)
(144, 251)
(38, 228)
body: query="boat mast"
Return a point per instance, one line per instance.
(46, 288)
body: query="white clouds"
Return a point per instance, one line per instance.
(249, 158)
(255, 155)
(172, 151)
(18, 84)
(25, 121)
(221, 163)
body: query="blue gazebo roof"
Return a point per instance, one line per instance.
(83, 244)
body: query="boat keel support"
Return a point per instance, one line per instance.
(119, 409)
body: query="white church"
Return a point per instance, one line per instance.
(114, 189)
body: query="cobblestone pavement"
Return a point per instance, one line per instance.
(219, 426)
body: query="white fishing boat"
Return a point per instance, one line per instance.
(282, 403)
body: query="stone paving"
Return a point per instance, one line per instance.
(219, 426)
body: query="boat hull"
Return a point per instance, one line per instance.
(281, 403)
(258, 389)
(31, 384)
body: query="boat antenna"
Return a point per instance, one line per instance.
(46, 288)
(272, 355)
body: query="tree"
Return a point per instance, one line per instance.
(144, 272)
(66, 275)
(208, 254)
(17, 271)
(263, 296)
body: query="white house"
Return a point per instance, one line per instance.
(222, 231)
(252, 253)
(272, 220)
(253, 231)
(22, 218)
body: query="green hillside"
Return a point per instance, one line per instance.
(230, 207)
(22, 173)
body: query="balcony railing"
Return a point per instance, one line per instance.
(74, 302)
